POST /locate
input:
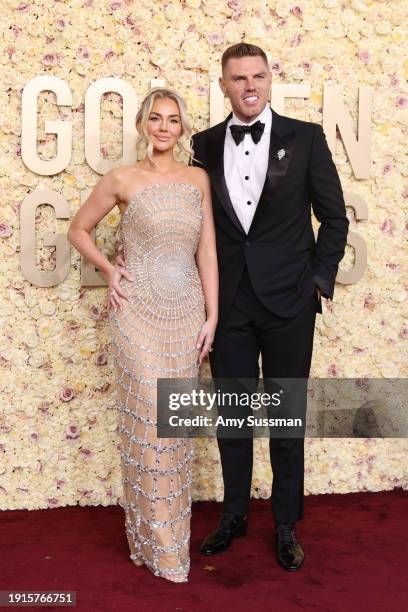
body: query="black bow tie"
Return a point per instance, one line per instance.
(256, 130)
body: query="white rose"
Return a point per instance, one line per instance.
(36, 359)
(254, 28)
(160, 56)
(359, 5)
(47, 307)
(282, 8)
(336, 30)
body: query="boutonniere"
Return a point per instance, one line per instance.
(281, 153)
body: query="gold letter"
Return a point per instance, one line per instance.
(63, 129)
(349, 277)
(92, 123)
(27, 239)
(334, 113)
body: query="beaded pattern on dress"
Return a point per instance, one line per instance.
(154, 336)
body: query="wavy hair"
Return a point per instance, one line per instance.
(142, 118)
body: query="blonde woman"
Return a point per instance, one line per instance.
(164, 311)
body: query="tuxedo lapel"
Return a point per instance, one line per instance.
(281, 137)
(216, 169)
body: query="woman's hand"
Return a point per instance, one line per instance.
(205, 339)
(115, 290)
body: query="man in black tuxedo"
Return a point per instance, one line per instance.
(266, 171)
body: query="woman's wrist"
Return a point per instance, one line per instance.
(108, 271)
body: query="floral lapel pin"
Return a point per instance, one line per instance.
(281, 153)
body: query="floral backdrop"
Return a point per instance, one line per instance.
(58, 438)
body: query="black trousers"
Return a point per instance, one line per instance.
(285, 346)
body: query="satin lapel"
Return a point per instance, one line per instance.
(215, 167)
(281, 137)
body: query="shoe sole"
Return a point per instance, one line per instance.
(291, 569)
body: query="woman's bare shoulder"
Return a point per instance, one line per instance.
(128, 177)
(198, 174)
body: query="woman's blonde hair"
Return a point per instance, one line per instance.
(142, 118)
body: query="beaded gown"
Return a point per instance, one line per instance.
(155, 336)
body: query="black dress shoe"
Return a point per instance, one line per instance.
(230, 527)
(289, 552)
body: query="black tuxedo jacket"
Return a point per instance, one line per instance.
(285, 262)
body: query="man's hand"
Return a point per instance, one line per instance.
(120, 259)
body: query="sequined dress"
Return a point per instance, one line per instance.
(154, 336)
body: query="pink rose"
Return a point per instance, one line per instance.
(5, 229)
(364, 56)
(50, 59)
(216, 38)
(296, 11)
(67, 394)
(394, 80)
(386, 227)
(332, 370)
(101, 359)
(95, 312)
(72, 432)
(276, 67)
(404, 332)
(369, 302)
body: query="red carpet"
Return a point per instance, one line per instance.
(356, 556)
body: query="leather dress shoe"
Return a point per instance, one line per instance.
(289, 552)
(230, 527)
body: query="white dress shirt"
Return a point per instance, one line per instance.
(245, 167)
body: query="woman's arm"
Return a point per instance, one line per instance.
(103, 198)
(206, 259)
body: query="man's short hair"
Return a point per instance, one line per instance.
(242, 50)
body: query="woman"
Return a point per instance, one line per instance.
(163, 319)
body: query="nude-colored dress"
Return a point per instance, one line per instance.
(154, 336)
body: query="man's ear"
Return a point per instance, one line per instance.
(221, 84)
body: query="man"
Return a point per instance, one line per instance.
(266, 170)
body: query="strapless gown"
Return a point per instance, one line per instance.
(154, 336)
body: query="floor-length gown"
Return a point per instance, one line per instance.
(154, 336)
